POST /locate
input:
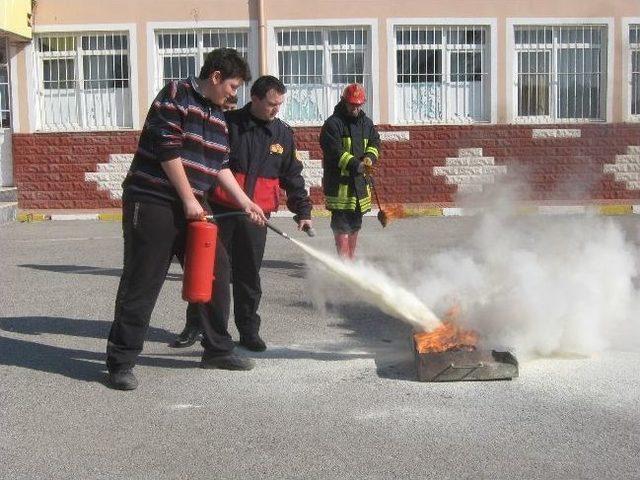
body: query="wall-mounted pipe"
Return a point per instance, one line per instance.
(262, 29)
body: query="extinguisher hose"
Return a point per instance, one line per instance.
(213, 218)
(277, 230)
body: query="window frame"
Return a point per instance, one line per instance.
(627, 23)
(511, 70)
(489, 23)
(9, 100)
(78, 29)
(154, 65)
(368, 24)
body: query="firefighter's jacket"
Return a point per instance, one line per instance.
(345, 141)
(263, 159)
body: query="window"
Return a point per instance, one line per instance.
(442, 74)
(83, 81)
(5, 108)
(560, 72)
(634, 43)
(316, 64)
(181, 53)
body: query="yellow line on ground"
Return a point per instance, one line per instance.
(31, 217)
(615, 209)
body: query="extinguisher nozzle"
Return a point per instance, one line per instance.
(277, 230)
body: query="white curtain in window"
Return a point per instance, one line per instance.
(316, 64)
(84, 81)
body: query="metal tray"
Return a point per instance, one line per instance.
(464, 365)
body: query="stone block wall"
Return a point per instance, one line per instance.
(420, 164)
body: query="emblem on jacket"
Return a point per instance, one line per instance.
(276, 149)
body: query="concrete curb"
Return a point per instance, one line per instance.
(607, 210)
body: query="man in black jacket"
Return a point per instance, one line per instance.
(350, 147)
(263, 160)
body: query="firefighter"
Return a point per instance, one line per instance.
(263, 160)
(350, 146)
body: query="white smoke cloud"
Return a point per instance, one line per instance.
(541, 285)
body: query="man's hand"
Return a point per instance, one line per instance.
(365, 166)
(192, 209)
(255, 213)
(305, 225)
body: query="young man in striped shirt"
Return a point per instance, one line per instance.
(182, 154)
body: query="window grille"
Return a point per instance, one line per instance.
(634, 43)
(560, 74)
(5, 105)
(442, 74)
(83, 81)
(316, 64)
(181, 53)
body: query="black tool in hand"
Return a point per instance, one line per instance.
(306, 229)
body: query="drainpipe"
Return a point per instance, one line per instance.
(262, 31)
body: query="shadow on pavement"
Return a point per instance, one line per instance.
(289, 353)
(74, 327)
(388, 339)
(88, 270)
(77, 364)
(283, 264)
(295, 269)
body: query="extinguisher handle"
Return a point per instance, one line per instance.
(218, 216)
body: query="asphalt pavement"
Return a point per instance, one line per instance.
(334, 396)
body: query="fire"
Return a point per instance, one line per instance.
(446, 337)
(394, 210)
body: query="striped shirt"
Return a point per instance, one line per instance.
(181, 123)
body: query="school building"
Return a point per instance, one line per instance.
(466, 93)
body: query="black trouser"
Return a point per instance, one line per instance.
(153, 234)
(244, 242)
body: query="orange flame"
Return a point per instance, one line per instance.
(394, 210)
(446, 337)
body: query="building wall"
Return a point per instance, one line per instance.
(196, 12)
(14, 17)
(421, 163)
(576, 163)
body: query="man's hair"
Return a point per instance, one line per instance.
(228, 62)
(263, 84)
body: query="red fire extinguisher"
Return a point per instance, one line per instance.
(199, 262)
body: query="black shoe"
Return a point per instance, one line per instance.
(226, 362)
(187, 337)
(253, 343)
(123, 380)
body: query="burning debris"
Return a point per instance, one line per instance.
(445, 338)
(449, 353)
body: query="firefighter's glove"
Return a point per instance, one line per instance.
(365, 166)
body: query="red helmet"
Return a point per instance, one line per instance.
(354, 94)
